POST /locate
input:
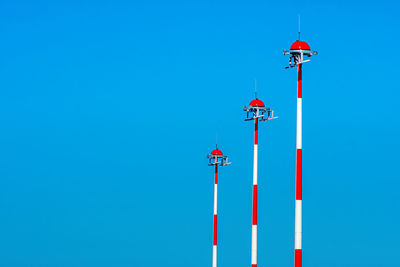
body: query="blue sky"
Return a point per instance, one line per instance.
(110, 107)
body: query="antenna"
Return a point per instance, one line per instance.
(299, 27)
(215, 159)
(216, 140)
(255, 87)
(298, 50)
(258, 112)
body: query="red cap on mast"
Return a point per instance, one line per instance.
(300, 45)
(256, 103)
(216, 152)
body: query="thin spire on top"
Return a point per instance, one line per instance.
(216, 140)
(255, 87)
(299, 27)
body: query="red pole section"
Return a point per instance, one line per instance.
(214, 261)
(298, 204)
(255, 176)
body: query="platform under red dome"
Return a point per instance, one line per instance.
(216, 152)
(256, 103)
(300, 45)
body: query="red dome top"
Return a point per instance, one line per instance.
(216, 152)
(300, 45)
(257, 103)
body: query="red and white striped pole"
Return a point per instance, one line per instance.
(297, 51)
(216, 158)
(258, 112)
(298, 205)
(255, 174)
(214, 260)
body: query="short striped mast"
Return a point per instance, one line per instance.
(214, 260)
(258, 112)
(297, 51)
(216, 157)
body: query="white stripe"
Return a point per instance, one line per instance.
(214, 264)
(215, 198)
(255, 164)
(298, 225)
(254, 244)
(299, 123)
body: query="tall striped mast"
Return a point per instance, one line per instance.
(299, 185)
(297, 51)
(216, 158)
(258, 112)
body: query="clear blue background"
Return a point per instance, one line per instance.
(108, 109)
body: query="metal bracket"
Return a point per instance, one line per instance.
(213, 160)
(262, 113)
(296, 56)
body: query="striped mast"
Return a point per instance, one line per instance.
(298, 203)
(254, 214)
(258, 112)
(216, 158)
(214, 259)
(297, 51)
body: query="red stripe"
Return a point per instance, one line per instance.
(299, 82)
(254, 265)
(256, 132)
(254, 204)
(297, 258)
(215, 230)
(299, 174)
(216, 174)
